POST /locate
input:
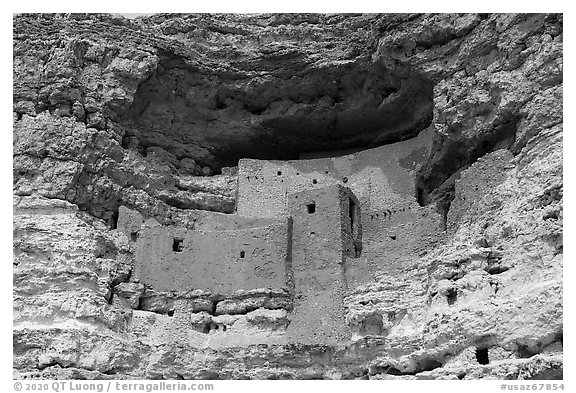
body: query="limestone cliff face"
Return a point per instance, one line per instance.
(151, 114)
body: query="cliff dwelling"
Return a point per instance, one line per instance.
(303, 235)
(288, 196)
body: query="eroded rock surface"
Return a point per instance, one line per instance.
(146, 116)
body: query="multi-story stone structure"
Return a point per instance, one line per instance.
(304, 234)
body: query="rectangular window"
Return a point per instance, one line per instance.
(178, 245)
(311, 208)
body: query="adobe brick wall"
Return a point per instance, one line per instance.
(221, 262)
(215, 221)
(395, 236)
(396, 228)
(379, 177)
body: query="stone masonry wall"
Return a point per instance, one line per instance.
(383, 179)
(318, 257)
(223, 262)
(378, 177)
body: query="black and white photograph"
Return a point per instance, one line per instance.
(287, 196)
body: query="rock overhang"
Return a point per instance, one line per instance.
(276, 101)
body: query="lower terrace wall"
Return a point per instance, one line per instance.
(394, 236)
(222, 262)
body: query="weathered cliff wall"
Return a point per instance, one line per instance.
(110, 112)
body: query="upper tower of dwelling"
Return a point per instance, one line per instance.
(326, 220)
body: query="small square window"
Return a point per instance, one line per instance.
(279, 173)
(311, 208)
(242, 254)
(178, 245)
